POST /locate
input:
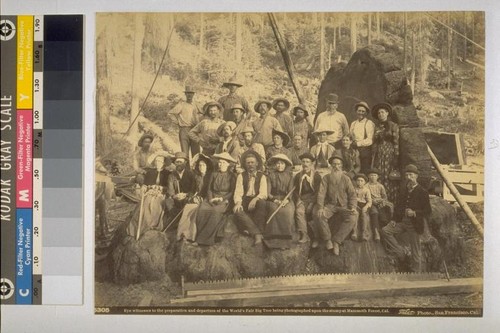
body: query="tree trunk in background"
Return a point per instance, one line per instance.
(103, 125)
(465, 34)
(354, 33)
(377, 19)
(239, 36)
(423, 67)
(405, 43)
(330, 57)
(369, 29)
(136, 74)
(322, 45)
(413, 63)
(202, 35)
(334, 40)
(448, 76)
(473, 35)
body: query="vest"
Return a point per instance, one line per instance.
(246, 179)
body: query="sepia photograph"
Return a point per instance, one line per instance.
(290, 163)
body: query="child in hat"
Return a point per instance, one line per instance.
(364, 203)
(381, 210)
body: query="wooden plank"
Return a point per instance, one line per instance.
(388, 289)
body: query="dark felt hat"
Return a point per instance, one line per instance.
(238, 106)
(221, 127)
(333, 98)
(373, 170)
(232, 82)
(180, 154)
(411, 168)
(307, 155)
(257, 105)
(360, 175)
(284, 100)
(336, 156)
(379, 106)
(284, 136)
(189, 89)
(144, 137)
(251, 153)
(301, 107)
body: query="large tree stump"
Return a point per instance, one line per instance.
(142, 260)
(234, 257)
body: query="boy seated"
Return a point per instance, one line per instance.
(364, 204)
(382, 209)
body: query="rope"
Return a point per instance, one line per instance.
(458, 33)
(148, 94)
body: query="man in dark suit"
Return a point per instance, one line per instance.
(306, 184)
(337, 199)
(409, 216)
(181, 185)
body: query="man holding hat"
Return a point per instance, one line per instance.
(281, 105)
(334, 121)
(300, 124)
(362, 131)
(265, 124)
(205, 132)
(181, 185)
(186, 114)
(409, 216)
(336, 198)
(229, 144)
(307, 183)
(322, 151)
(232, 98)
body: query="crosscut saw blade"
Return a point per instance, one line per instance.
(297, 281)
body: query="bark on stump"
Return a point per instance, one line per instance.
(142, 260)
(234, 257)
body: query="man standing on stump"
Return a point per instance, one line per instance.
(410, 216)
(336, 198)
(187, 114)
(362, 131)
(333, 121)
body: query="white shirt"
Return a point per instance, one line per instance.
(239, 190)
(363, 131)
(336, 122)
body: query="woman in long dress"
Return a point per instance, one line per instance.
(386, 147)
(152, 197)
(278, 232)
(187, 223)
(210, 221)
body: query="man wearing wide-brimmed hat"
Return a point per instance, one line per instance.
(306, 184)
(265, 124)
(281, 105)
(322, 151)
(241, 121)
(251, 187)
(279, 146)
(229, 143)
(362, 131)
(181, 185)
(410, 216)
(229, 100)
(300, 124)
(142, 154)
(333, 120)
(186, 114)
(336, 199)
(249, 144)
(205, 132)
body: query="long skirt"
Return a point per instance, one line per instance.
(187, 223)
(384, 161)
(278, 232)
(152, 214)
(210, 222)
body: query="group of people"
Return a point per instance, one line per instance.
(259, 165)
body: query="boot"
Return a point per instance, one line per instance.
(303, 237)
(258, 239)
(336, 249)
(376, 235)
(314, 244)
(329, 245)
